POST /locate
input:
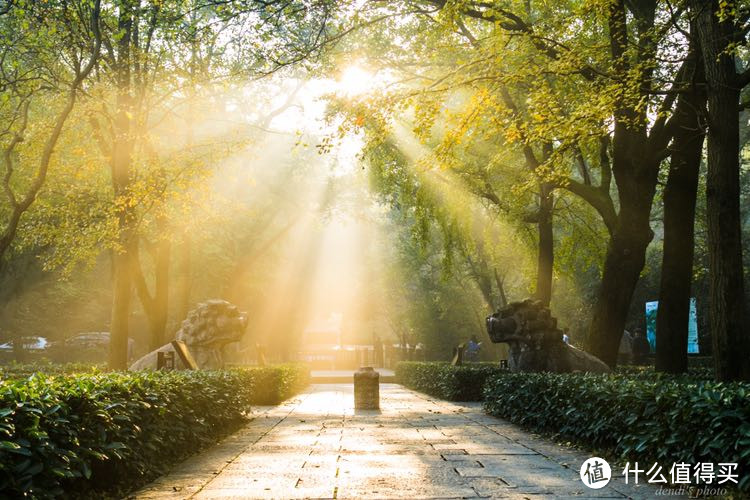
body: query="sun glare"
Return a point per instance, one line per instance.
(355, 81)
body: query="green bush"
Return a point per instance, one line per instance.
(14, 369)
(647, 372)
(643, 417)
(274, 384)
(442, 380)
(74, 435)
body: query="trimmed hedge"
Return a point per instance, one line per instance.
(646, 417)
(274, 384)
(693, 374)
(14, 370)
(445, 381)
(634, 413)
(79, 435)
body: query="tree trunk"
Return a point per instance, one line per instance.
(546, 254)
(635, 165)
(500, 289)
(726, 288)
(119, 324)
(155, 306)
(19, 351)
(184, 276)
(636, 174)
(120, 164)
(161, 294)
(626, 256)
(677, 260)
(726, 292)
(481, 273)
(679, 217)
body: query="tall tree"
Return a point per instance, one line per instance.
(265, 38)
(679, 218)
(594, 92)
(719, 26)
(543, 216)
(633, 155)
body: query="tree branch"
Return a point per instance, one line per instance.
(596, 198)
(8, 155)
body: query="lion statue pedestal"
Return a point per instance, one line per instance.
(207, 329)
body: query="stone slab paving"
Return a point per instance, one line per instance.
(316, 446)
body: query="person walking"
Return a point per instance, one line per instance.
(472, 349)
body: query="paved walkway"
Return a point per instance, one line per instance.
(317, 446)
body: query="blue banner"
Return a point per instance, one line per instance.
(651, 310)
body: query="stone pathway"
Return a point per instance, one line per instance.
(317, 446)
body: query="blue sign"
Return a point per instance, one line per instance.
(652, 308)
(693, 329)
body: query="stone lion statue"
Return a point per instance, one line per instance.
(206, 331)
(535, 343)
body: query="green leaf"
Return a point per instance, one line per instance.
(14, 448)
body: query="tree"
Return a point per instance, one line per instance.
(32, 73)
(456, 267)
(719, 27)
(264, 39)
(608, 96)
(679, 216)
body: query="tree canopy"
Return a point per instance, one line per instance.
(589, 154)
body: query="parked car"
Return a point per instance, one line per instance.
(28, 344)
(32, 348)
(85, 347)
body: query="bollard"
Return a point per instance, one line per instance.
(366, 389)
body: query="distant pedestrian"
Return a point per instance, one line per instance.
(472, 349)
(566, 337)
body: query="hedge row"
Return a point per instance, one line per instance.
(647, 417)
(694, 374)
(445, 381)
(15, 369)
(274, 384)
(76, 435)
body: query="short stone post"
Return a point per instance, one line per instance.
(366, 389)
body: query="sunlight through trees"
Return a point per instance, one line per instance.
(411, 166)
